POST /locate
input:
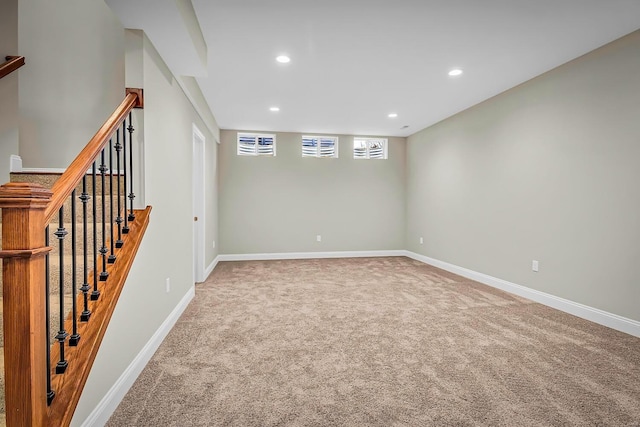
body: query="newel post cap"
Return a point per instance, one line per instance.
(24, 195)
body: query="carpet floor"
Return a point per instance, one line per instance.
(379, 342)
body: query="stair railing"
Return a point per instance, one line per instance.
(50, 343)
(11, 64)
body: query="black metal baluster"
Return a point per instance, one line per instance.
(112, 255)
(132, 196)
(62, 335)
(103, 249)
(75, 337)
(50, 393)
(84, 198)
(125, 229)
(119, 242)
(96, 292)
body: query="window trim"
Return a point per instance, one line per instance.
(368, 141)
(318, 154)
(255, 152)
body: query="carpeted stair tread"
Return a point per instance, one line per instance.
(47, 181)
(54, 260)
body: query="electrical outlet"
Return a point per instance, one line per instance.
(318, 238)
(534, 265)
(421, 240)
(214, 244)
(168, 286)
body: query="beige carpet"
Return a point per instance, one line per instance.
(379, 342)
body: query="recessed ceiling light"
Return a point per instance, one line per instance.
(392, 115)
(455, 72)
(274, 109)
(283, 59)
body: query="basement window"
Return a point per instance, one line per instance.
(319, 146)
(369, 148)
(256, 144)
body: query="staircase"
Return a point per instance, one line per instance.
(47, 180)
(51, 338)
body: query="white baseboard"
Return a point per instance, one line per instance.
(43, 170)
(103, 411)
(15, 163)
(55, 170)
(309, 255)
(211, 266)
(592, 314)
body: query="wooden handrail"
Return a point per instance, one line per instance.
(76, 170)
(12, 63)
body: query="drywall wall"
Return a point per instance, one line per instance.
(74, 78)
(281, 203)
(166, 250)
(8, 87)
(134, 78)
(193, 92)
(547, 171)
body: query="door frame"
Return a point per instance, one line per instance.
(198, 206)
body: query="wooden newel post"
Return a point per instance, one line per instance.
(23, 253)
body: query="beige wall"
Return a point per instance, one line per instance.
(192, 89)
(546, 171)
(8, 87)
(279, 204)
(73, 80)
(166, 250)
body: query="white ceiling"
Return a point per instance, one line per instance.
(355, 61)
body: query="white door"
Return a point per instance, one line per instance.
(198, 205)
